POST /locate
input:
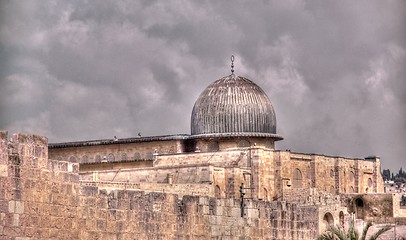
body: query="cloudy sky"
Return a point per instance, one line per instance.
(334, 70)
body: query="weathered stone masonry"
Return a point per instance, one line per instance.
(44, 199)
(188, 186)
(38, 197)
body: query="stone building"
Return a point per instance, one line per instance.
(232, 141)
(224, 180)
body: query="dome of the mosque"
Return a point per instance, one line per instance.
(233, 105)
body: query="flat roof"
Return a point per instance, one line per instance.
(161, 138)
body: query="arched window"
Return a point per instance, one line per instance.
(297, 178)
(149, 156)
(332, 189)
(341, 216)
(243, 143)
(85, 159)
(269, 144)
(137, 156)
(98, 158)
(110, 157)
(369, 182)
(217, 191)
(359, 205)
(328, 219)
(72, 159)
(124, 156)
(351, 176)
(213, 146)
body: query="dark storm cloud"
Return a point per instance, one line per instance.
(334, 70)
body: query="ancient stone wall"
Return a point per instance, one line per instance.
(38, 197)
(331, 215)
(103, 166)
(265, 173)
(112, 151)
(398, 210)
(139, 215)
(219, 181)
(233, 143)
(325, 170)
(397, 232)
(180, 175)
(236, 157)
(327, 173)
(225, 170)
(179, 189)
(115, 152)
(44, 199)
(346, 174)
(296, 194)
(377, 207)
(366, 176)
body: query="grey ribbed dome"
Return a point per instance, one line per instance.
(233, 104)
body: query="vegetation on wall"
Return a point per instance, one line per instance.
(333, 233)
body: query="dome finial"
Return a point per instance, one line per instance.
(232, 64)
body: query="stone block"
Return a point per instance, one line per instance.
(3, 155)
(62, 166)
(88, 190)
(229, 202)
(16, 220)
(19, 207)
(70, 167)
(215, 231)
(3, 170)
(235, 212)
(11, 206)
(219, 211)
(203, 200)
(205, 210)
(253, 213)
(3, 206)
(249, 204)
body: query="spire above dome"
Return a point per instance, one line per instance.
(232, 64)
(233, 105)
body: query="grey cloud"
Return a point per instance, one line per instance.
(333, 70)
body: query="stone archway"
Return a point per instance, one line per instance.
(341, 217)
(328, 220)
(213, 146)
(72, 159)
(359, 208)
(243, 143)
(217, 191)
(297, 178)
